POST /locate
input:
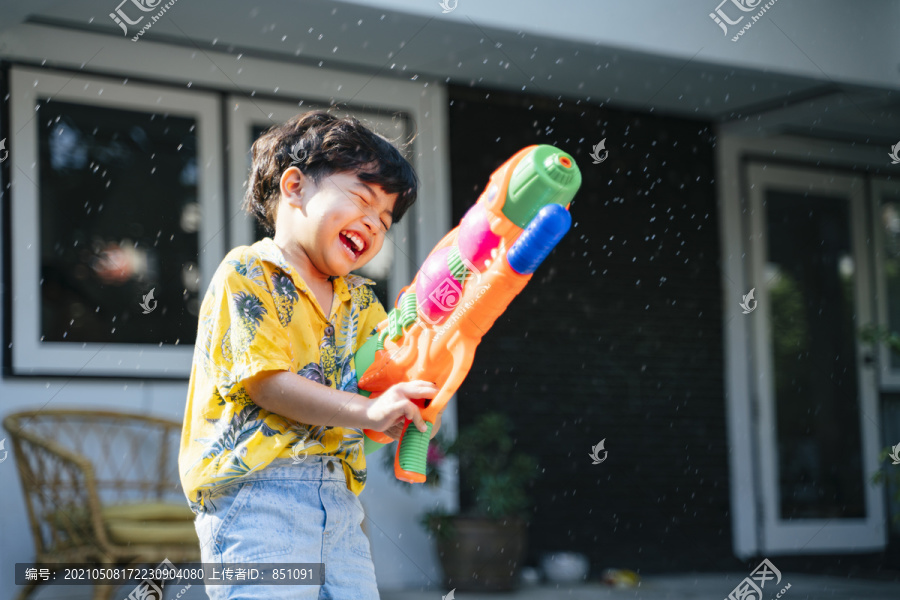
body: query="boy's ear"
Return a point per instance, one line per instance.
(293, 182)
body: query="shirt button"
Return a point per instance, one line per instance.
(329, 331)
(330, 466)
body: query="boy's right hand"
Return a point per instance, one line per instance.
(397, 402)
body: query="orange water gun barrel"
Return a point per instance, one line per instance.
(466, 282)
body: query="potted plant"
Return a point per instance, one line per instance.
(482, 548)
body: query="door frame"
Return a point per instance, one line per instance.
(738, 144)
(813, 535)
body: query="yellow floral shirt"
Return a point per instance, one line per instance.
(259, 315)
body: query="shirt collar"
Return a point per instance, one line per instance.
(269, 251)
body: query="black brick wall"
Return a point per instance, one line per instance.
(618, 336)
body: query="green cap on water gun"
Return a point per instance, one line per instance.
(547, 175)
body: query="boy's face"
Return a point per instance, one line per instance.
(340, 223)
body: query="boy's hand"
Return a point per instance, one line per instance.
(396, 402)
(395, 430)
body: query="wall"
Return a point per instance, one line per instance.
(617, 337)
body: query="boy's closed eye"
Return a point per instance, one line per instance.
(368, 197)
(368, 203)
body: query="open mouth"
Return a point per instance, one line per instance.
(354, 243)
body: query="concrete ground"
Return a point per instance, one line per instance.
(684, 587)
(714, 586)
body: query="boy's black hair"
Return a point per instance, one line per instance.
(320, 144)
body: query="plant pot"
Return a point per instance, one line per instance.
(482, 554)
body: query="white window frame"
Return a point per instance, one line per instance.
(245, 113)
(30, 355)
(889, 378)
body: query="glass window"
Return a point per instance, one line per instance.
(816, 381)
(119, 221)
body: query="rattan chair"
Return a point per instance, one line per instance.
(102, 487)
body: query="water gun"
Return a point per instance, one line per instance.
(464, 285)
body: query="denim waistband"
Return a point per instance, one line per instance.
(313, 467)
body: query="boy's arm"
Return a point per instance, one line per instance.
(296, 397)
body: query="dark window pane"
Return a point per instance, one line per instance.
(816, 387)
(119, 219)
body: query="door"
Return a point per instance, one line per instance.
(817, 426)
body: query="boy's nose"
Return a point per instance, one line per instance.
(370, 222)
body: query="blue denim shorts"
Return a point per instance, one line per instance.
(290, 513)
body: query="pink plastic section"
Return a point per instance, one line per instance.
(437, 292)
(476, 240)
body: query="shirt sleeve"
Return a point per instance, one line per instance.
(249, 335)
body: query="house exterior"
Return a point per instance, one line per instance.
(742, 152)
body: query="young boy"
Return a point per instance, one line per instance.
(272, 456)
